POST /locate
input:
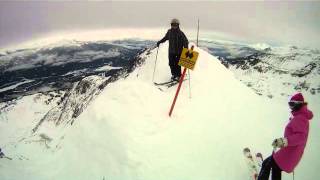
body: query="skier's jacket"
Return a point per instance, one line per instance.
(296, 132)
(177, 41)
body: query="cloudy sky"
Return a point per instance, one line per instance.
(275, 22)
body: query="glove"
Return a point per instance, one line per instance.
(280, 143)
(158, 43)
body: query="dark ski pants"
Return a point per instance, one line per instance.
(173, 63)
(267, 165)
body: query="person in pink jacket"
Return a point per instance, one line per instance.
(293, 143)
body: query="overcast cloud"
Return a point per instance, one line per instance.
(271, 22)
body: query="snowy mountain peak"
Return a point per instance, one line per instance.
(124, 131)
(275, 71)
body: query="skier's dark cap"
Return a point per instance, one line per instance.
(174, 22)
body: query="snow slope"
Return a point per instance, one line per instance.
(125, 133)
(276, 72)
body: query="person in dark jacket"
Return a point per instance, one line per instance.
(1, 154)
(177, 41)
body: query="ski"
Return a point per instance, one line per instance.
(164, 83)
(167, 84)
(164, 86)
(7, 157)
(251, 163)
(172, 84)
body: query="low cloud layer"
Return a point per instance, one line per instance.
(271, 22)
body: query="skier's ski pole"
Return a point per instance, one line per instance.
(155, 64)
(293, 175)
(189, 84)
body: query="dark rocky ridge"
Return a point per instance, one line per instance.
(57, 68)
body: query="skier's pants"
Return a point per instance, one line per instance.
(173, 63)
(267, 165)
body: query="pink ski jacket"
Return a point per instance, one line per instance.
(296, 132)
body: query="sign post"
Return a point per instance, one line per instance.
(188, 60)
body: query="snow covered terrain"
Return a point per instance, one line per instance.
(56, 66)
(271, 71)
(124, 131)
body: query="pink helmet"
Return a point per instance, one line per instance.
(297, 98)
(296, 101)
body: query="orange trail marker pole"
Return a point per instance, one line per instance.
(178, 89)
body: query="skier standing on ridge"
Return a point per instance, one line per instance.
(293, 143)
(1, 154)
(177, 41)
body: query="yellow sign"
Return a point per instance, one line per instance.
(188, 58)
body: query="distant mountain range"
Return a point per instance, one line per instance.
(270, 71)
(58, 66)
